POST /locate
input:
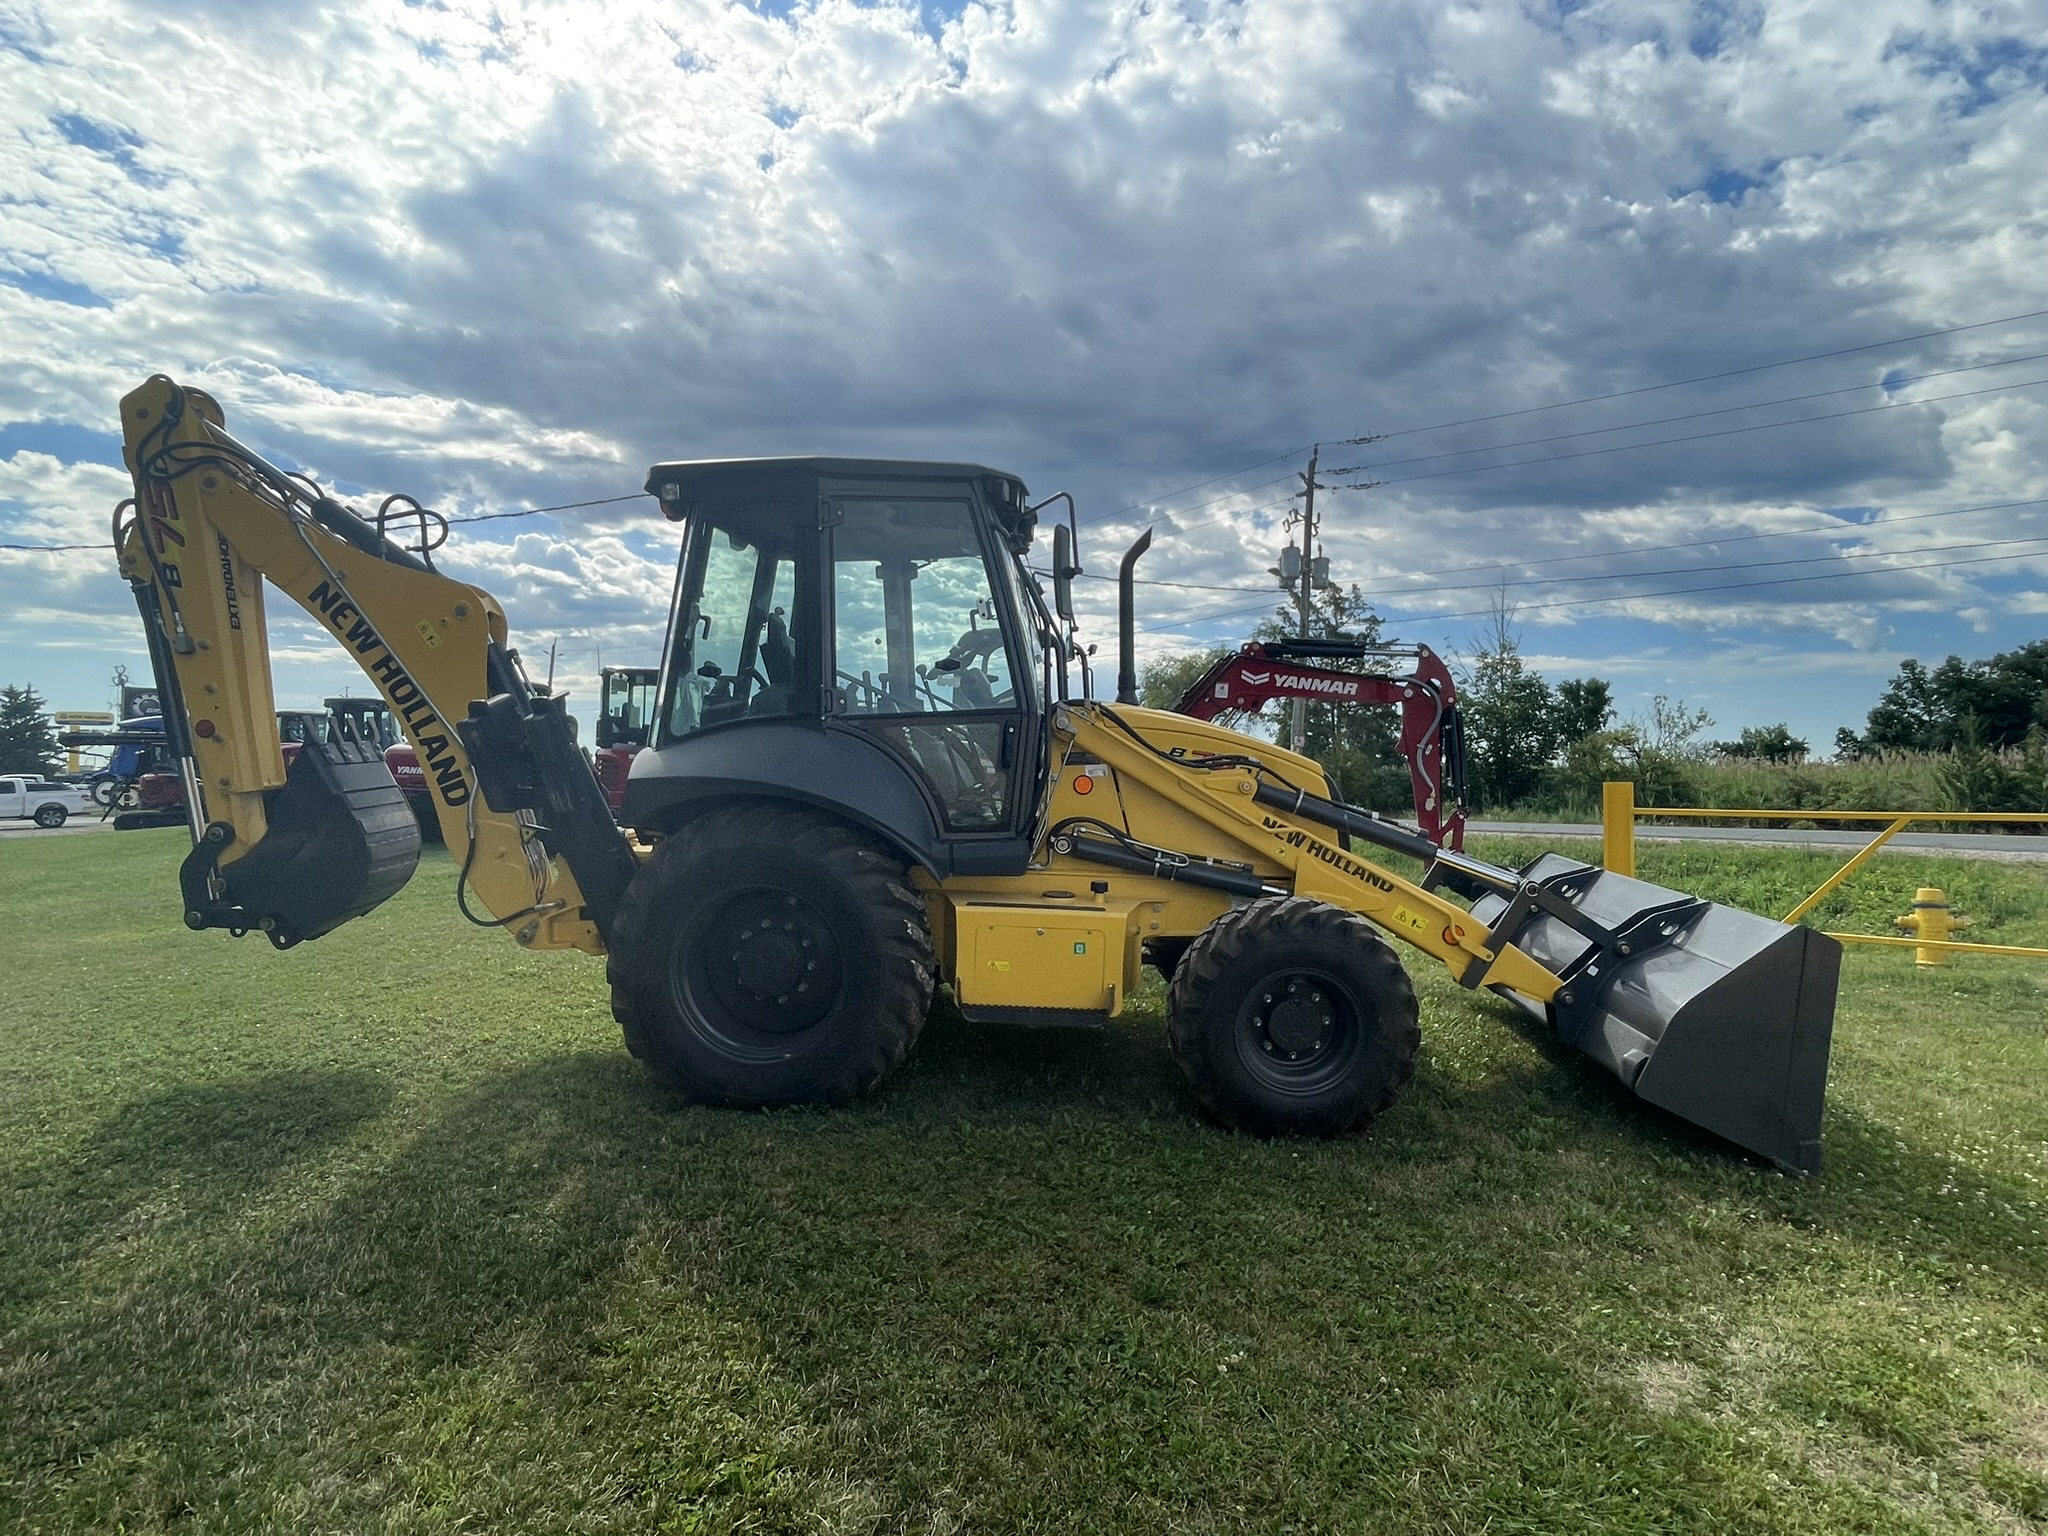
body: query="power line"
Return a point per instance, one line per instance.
(1731, 373)
(1725, 410)
(1422, 615)
(1734, 538)
(1698, 437)
(480, 517)
(1678, 570)
(1753, 565)
(1153, 503)
(1730, 586)
(1779, 533)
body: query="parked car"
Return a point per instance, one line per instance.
(39, 801)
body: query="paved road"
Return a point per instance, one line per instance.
(1969, 845)
(74, 826)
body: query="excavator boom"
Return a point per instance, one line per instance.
(1432, 737)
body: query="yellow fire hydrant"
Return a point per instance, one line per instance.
(1930, 919)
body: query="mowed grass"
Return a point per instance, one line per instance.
(387, 1233)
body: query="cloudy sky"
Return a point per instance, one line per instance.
(1789, 258)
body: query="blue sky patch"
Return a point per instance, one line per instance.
(1729, 185)
(61, 440)
(1986, 73)
(1718, 25)
(47, 285)
(109, 142)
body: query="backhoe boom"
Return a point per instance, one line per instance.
(212, 522)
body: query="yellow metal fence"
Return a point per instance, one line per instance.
(1619, 814)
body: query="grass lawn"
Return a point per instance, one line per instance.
(388, 1234)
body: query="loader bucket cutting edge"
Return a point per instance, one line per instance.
(1725, 1021)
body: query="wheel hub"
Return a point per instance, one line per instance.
(1295, 1018)
(767, 958)
(770, 963)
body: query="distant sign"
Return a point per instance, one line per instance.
(83, 717)
(138, 701)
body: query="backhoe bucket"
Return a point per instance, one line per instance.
(1716, 1014)
(341, 840)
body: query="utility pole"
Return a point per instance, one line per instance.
(1304, 586)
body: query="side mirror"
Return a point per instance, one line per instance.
(1064, 570)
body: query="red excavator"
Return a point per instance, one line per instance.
(625, 711)
(1432, 732)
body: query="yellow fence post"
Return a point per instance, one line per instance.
(1618, 826)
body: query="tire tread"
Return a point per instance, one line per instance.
(903, 967)
(1290, 919)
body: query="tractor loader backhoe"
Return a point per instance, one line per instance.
(867, 772)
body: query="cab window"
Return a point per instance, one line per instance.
(733, 656)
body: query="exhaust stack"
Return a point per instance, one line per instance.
(1126, 606)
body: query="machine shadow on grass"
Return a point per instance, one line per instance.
(1032, 1230)
(198, 1152)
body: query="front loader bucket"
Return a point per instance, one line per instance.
(1716, 1014)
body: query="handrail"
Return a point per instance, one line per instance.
(1619, 814)
(1700, 814)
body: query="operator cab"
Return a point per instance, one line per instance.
(860, 635)
(625, 709)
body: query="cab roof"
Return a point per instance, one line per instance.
(690, 474)
(682, 484)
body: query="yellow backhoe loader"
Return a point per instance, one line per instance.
(869, 773)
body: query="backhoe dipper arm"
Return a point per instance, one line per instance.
(212, 521)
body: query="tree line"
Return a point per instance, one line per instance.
(28, 743)
(1550, 746)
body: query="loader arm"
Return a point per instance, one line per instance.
(1715, 1014)
(1248, 806)
(212, 522)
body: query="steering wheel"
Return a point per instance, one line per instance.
(874, 700)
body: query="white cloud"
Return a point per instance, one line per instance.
(507, 255)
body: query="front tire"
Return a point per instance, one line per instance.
(771, 955)
(50, 815)
(1293, 1017)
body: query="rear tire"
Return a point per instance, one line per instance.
(1165, 955)
(50, 815)
(1293, 1017)
(771, 955)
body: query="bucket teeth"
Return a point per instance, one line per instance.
(1718, 1015)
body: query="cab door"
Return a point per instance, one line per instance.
(925, 651)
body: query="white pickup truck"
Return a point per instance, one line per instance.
(45, 804)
